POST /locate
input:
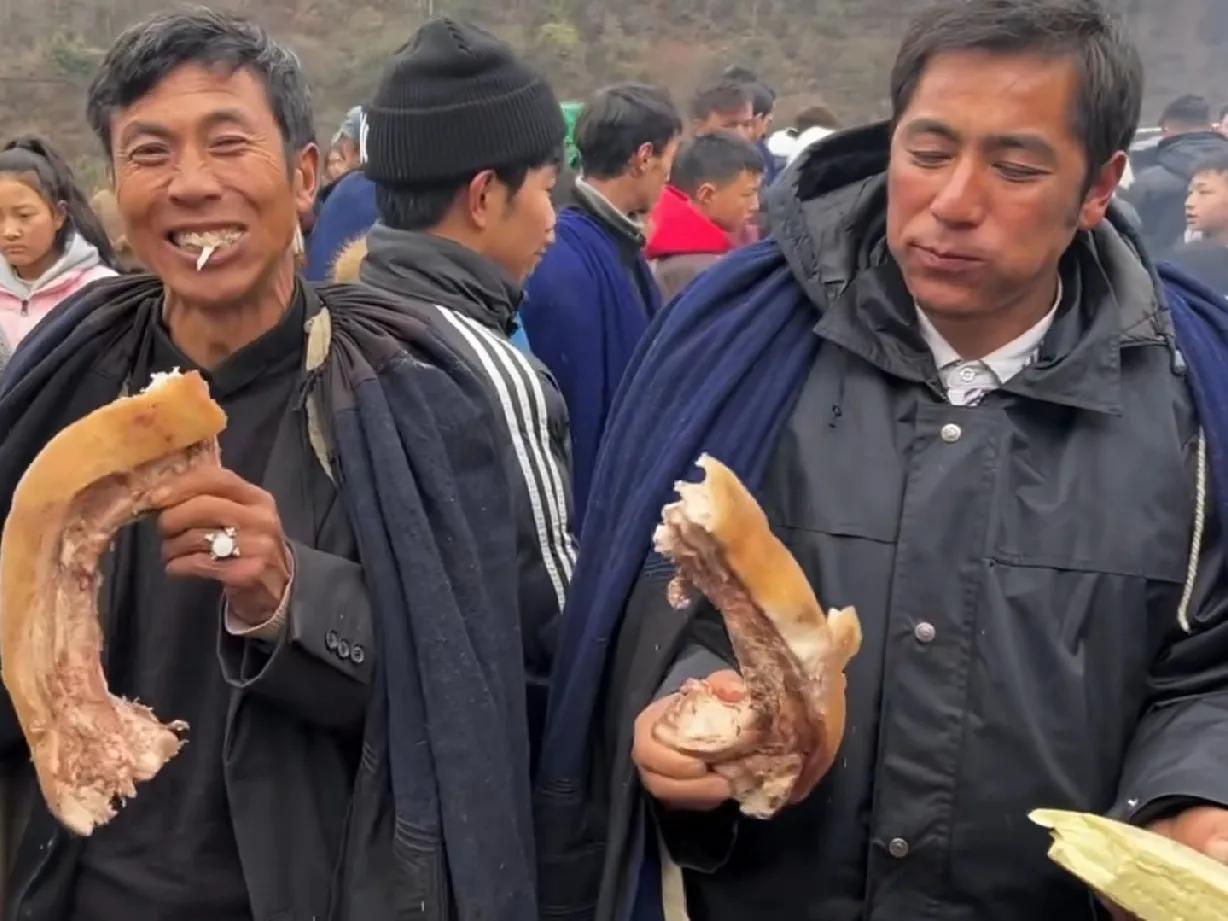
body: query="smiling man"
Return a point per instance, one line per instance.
(951, 380)
(361, 517)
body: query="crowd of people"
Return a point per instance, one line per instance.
(463, 370)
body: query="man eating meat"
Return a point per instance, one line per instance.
(953, 381)
(327, 610)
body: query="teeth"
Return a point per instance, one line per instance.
(204, 256)
(209, 238)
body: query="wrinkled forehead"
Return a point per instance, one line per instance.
(194, 93)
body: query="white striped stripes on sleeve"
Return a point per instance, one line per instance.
(519, 389)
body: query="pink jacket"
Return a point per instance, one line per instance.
(22, 305)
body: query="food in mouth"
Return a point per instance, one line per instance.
(206, 242)
(777, 742)
(89, 748)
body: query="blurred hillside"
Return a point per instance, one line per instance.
(837, 50)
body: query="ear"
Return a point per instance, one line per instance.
(705, 193)
(641, 158)
(306, 178)
(59, 214)
(1104, 185)
(479, 203)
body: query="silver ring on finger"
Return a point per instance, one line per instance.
(223, 544)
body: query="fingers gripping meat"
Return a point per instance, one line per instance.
(89, 748)
(778, 741)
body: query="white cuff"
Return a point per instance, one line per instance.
(270, 629)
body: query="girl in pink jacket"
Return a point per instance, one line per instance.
(51, 243)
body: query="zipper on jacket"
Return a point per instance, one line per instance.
(25, 308)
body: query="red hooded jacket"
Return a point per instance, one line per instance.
(680, 229)
(683, 244)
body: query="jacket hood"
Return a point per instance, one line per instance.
(828, 214)
(679, 228)
(1182, 154)
(79, 256)
(428, 268)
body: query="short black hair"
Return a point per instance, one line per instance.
(762, 96)
(36, 164)
(422, 207)
(1216, 163)
(817, 116)
(145, 54)
(1110, 70)
(717, 158)
(618, 121)
(1187, 110)
(1223, 114)
(723, 97)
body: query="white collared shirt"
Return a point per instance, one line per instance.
(966, 382)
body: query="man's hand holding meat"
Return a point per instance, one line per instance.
(677, 780)
(196, 506)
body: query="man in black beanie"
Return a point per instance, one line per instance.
(464, 144)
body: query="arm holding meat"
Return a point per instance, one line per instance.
(298, 621)
(777, 742)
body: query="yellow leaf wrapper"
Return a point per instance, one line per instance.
(1148, 875)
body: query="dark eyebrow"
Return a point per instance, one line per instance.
(1026, 143)
(212, 120)
(134, 130)
(921, 126)
(227, 117)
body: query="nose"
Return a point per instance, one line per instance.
(10, 230)
(194, 181)
(960, 202)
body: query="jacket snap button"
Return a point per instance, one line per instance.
(343, 649)
(951, 433)
(898, 848)
(357, 654)
(924, 632)
(330, 640)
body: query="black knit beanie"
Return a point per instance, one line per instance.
(455, 101)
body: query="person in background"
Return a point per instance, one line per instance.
(464, 144)
(929, 376)
(1158, 192)
(344, 153)
(345, 209)
(713, 192)
(1222, 125)
(813, 124)
(723, 106)
(104, 205)
(51, 243)
(763, 104)
(1206, 214)
(591, 299)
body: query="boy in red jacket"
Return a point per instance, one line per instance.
(713, 194)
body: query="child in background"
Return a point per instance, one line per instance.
(51, 243)
(712, 196)
(1206, 213)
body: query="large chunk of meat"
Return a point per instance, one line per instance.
(776, 743)
(89, 747)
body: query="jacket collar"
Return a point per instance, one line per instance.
(828, 214)
(600, 207)
(443, 273)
